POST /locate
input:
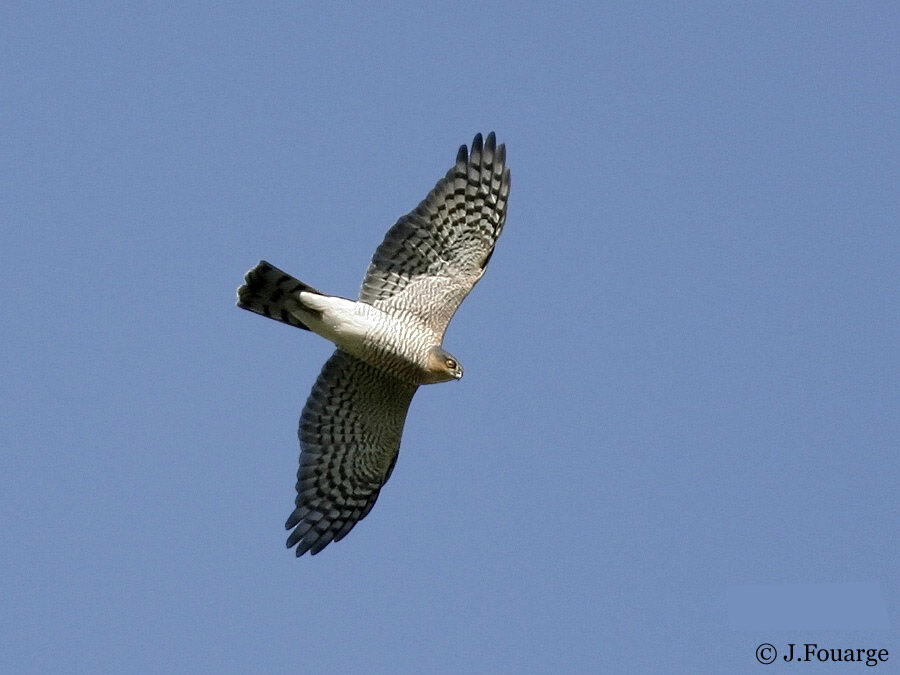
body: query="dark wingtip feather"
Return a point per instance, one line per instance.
(321, 543)
(490, 149)
(477, 144)
(294, 537)
(462, 156)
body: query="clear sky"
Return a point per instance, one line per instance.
(677, 436)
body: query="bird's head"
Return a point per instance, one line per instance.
(441, 366)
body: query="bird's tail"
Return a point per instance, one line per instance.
(273, 293)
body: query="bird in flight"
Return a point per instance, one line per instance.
(389, 340)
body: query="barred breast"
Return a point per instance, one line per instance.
(398, 347)
(395, 344)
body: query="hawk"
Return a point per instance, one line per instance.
(389, 340)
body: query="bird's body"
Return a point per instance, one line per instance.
(388, 342)
(395, 343)
(369, 334)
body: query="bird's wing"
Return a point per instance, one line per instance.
(434, 255)
(350, 432)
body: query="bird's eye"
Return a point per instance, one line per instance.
(451, 364)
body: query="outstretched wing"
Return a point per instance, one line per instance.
(350, 432)
(431, 259)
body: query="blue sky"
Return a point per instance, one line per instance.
(677, 433)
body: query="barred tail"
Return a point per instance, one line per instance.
(270, 292)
